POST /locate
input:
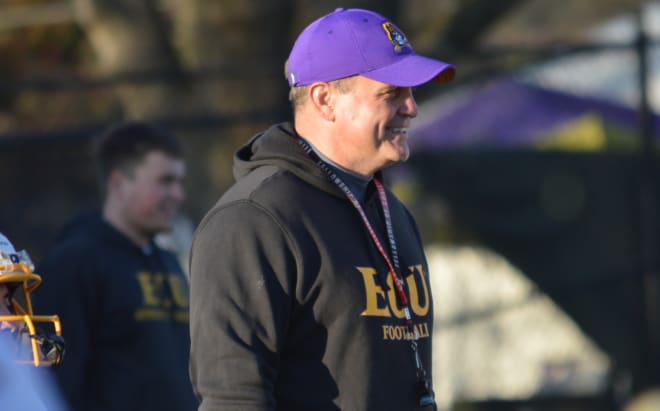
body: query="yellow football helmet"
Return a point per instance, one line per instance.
(17, 321)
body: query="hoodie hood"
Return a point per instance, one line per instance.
(278, 146)
(90, 224)
(82, 224)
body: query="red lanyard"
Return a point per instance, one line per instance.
(393, 267)
(426, 396)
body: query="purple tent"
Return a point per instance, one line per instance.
(511, 114)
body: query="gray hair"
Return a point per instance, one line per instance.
(298, 95)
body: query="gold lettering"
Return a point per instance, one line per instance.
(151, 314)
(382, 304)
(403, 332)
(415, 306)
(387, 332)
(179, 291)
(392, 297)
(422, 330)
(374, 294)
(151, 285)
(399, 333)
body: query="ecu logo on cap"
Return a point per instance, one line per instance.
(396, 37)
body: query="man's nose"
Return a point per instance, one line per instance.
(409, 107)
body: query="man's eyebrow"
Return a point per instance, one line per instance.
(388, 89)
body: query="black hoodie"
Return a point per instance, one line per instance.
(124, 313)
(292, 307)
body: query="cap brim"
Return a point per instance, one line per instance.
(412, 71)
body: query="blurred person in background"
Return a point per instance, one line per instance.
(28, 342)
(309, 284)
(126, 305)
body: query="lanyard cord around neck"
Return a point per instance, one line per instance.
(393, 266)
(424, 388)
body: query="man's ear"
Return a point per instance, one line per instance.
(321, 96)
(115, 181)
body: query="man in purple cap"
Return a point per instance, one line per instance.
(309, 284)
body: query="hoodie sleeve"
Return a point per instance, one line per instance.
(65, 291)
(242, 268)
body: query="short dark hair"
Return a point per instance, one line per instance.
(123, 145)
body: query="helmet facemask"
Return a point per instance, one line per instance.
(34, 339)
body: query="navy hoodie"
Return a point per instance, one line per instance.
(124, 313)
(292, 307)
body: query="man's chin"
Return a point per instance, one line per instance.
(402, 154)
(399, 150)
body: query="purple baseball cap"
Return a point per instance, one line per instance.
(349, 42)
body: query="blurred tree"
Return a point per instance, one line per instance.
(131, 38)
(212, 70)
(237, 48)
